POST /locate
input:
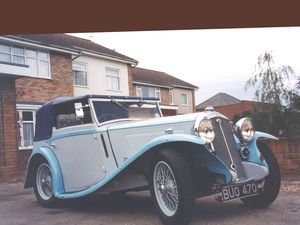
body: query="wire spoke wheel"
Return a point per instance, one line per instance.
(172, 187)
(44, 182)
(165, 188)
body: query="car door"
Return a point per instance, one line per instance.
(81, 156)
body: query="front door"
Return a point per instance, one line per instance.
(81, 156)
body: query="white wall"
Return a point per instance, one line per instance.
(15, 70)
(97, 77)
(182, 109)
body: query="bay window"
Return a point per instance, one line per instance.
(37, 61)
(10, 54)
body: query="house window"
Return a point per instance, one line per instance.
(10, 54)
(184, 99)
(171, 97)
(146, 91)
(139, 91)
(80, 74)
(43, 62)
(112, 79)
(26, 124)
(38, 61)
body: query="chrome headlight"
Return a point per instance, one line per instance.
(205, 130)
(245, 128)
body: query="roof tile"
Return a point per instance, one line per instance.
(158, 78)
(219, 99)
(74, 43)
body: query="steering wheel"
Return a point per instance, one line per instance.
(106, 117)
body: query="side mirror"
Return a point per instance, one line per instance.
(78, 110)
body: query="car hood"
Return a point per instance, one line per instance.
(186, 118)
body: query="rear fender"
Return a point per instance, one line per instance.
(46, 154)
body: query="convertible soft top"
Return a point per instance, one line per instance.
(45, 116)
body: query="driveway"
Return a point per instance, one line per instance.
(19, 207)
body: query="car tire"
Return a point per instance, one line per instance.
(270, 186)
(175, 184)
(43, 186)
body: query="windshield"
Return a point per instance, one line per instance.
(111, 110)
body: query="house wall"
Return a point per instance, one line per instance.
(8, 142)
(31, 89)
(131, 86)
(182, 109)
(164, 96)
(97, 77)
(38, 90)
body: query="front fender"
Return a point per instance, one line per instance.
(254, 155)
(262, 135)
(214, 164)
(47, 154)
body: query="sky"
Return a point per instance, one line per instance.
(215, 60)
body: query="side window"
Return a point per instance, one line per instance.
(65, 115)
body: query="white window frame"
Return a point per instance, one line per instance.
(38, 60)
(157, 93)
(171, 97)
(187, 98)
(39, 63)
(14, 54)
(115, 76)
(138, 90)
(86, 71)
(20, 126)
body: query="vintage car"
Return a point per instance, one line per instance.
(117, 144)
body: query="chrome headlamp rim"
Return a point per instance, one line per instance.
(244, 129)
(205, 130)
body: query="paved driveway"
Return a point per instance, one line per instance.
(18, 207)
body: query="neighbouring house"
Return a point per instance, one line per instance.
(226, 104)
(37, 68)
(176, 96)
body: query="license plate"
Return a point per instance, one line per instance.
(239, 191)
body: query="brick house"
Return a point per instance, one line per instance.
(226, 104)
(37, 68)
(176, 96)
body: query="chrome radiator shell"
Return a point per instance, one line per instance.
(225, 147)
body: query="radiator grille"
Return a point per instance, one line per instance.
(225, 146)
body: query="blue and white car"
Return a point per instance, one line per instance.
(117, 144)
